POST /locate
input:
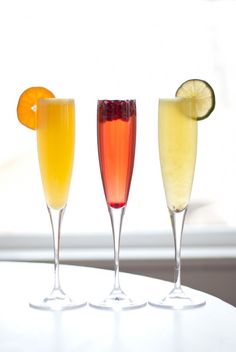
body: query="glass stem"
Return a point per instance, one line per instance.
(116, 223)
(56, 216)
(177, 222)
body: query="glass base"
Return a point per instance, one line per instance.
(57, 301)
(117, 300)
(178, 299)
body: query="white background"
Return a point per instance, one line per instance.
(91, 49)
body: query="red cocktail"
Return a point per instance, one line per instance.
(116, 148)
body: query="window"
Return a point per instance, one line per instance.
(138, 49)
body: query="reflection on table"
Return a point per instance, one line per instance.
(23, 329)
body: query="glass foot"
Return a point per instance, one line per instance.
(57, 301)
(178, 299)
(117, 300)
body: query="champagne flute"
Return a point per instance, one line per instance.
(177, 150)
(55, 140)
(116, 131)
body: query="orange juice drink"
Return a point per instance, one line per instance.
(56, 139)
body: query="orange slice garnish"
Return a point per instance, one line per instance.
(27, 105)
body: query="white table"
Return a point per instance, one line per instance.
(148, 329)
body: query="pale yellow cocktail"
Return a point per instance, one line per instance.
(56, 139)
(177, 149)
(178, 119)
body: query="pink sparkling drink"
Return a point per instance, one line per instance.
(116, 148)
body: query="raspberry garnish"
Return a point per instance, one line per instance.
(109, 110)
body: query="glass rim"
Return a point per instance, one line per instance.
(175, 99)
(55, 100)
(115, 100)
(172, 99)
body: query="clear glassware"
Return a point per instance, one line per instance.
(55, 141)
(116, 130)
(177, 133)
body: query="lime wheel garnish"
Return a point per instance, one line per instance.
(201, 95)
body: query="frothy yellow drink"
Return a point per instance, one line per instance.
(177, 149)
(56, 139)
